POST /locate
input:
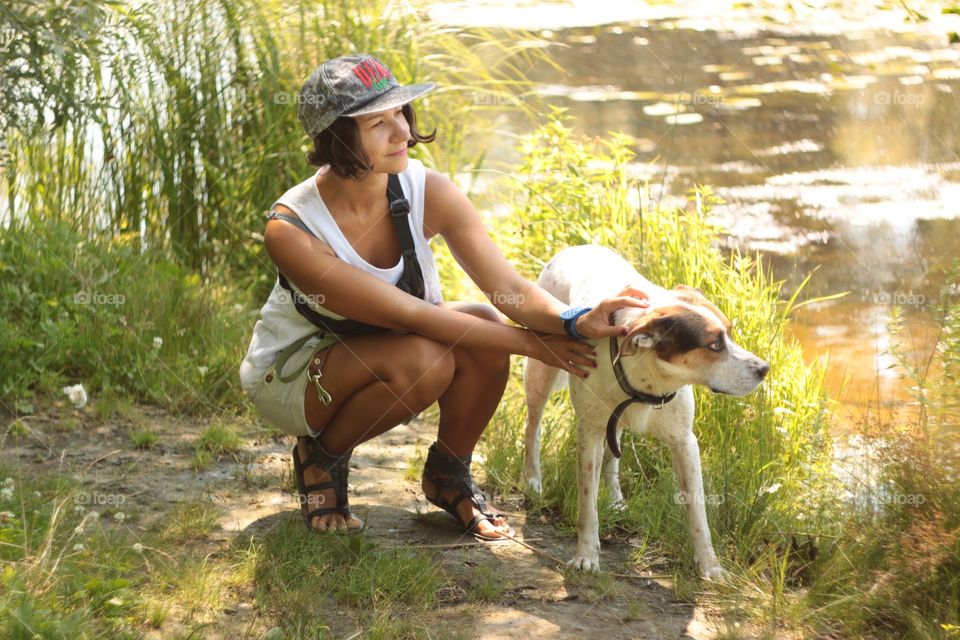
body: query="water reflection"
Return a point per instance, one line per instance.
(838, 153)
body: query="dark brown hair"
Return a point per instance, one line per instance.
(339, 146)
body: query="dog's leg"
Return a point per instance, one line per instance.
(538, 380)
(686, 464)
(590, 445)
(611, 475)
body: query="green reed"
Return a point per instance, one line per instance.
(192, 131)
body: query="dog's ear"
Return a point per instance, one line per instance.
(692, 295)
(644, 334)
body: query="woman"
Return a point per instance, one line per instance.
(355, 339)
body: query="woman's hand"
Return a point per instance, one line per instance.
(596, 323)
(576, 357)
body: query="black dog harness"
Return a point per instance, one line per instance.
(634, 395)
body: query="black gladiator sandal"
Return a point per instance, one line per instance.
(450, 473)
(336, 466)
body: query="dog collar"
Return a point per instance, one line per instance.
(634, 395)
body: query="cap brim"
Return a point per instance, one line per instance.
(396, 97)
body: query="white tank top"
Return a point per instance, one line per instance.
(280, 324)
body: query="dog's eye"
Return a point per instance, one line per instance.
(717, 345)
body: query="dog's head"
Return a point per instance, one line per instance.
(690, 338)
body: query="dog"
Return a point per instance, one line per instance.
(679, 340)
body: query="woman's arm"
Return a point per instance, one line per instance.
(355, 294)
(452, 215)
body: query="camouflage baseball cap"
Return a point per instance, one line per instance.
(351, 86)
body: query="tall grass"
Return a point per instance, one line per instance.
(807, 558)
(173, 130)
(193, 129)
(764, 455)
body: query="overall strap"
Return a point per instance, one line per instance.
(297, 222)
(411, 280)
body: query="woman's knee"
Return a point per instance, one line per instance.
(424, 369)
(490, 361)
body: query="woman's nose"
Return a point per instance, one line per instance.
(401, 130)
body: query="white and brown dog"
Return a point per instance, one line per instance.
(642, 382)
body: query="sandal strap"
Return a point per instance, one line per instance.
(336, 466)
(322, 511)
(455, 477)
(477, 519)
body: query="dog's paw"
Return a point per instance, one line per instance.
(534, 485)
(583, 563)
(715, 573)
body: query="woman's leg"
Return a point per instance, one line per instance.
(379, 381)
(376, 382)
(468, 404)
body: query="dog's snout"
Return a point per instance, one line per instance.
(761, 368)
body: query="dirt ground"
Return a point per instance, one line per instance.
(539, 602)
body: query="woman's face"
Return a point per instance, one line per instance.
(384, 136)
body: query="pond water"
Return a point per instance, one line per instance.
(834, 144)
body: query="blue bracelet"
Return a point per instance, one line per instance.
(569, 318)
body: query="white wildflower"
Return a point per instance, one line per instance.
(93, 515)
(78, 547)
(157, 342)
(6, 493)
(78, 529)
(773, 488)
(138, 547)
(202, 370)
(119, 516)
(77, 395)
(8, 482)
(6, 515)
(79, 508)
(36, 494)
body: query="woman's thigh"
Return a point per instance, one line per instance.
(410, 364)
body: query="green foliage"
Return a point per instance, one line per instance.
(62, 573)
(764, 455)
(898, 557)
(125, 324)
(177, 122)
(220, 439)
(295, 570)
